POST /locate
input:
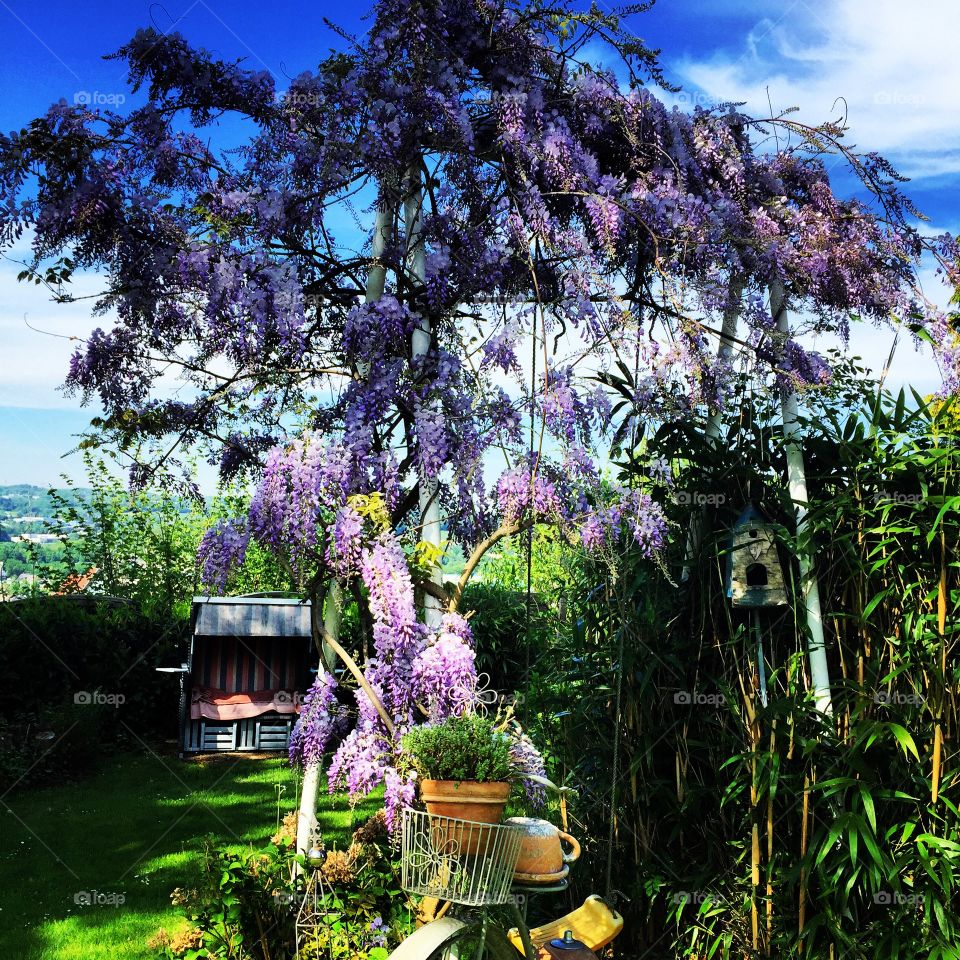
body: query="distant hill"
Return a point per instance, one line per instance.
(24, 500)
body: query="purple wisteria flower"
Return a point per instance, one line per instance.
(527, 761)
(322, 719)
(223, 547)
(445, 674)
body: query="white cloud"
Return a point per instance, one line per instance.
(34, 333)
(895, 65)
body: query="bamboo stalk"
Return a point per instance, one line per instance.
(941, 629)
(804, 840)
(754, 833)
(797, 482)
(773, 745)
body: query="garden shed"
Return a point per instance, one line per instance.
(248, 667)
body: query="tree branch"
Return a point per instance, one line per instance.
(506, 530)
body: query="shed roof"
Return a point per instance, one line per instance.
(251, 617)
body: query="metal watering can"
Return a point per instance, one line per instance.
(542, 856)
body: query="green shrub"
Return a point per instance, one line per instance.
(460, 748)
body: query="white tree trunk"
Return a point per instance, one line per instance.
(307, 813)
(797, 483)
(429, 488)
(728, 335)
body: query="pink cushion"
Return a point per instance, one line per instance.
(213, 704)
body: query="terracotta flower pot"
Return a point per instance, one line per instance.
(479, 803)
(465, 799)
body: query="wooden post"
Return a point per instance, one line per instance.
(797, 481)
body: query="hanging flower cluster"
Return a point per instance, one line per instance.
(322, 719)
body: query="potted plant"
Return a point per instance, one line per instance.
(464, 767)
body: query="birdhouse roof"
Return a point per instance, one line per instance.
(750, 516)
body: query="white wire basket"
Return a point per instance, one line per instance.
(459, 860)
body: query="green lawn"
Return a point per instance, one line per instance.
(130, 831)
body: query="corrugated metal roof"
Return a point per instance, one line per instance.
(250, 617)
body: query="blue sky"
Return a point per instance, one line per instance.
(894, 65)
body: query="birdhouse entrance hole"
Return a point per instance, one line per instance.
(756, 575)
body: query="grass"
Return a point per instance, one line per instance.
(127, 836)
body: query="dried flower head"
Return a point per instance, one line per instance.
(160, 940)
(287, 834)
(374, 830)
(191, 939)
(339, 868)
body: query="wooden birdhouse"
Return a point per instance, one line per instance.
(754, 574)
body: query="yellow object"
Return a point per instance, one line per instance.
(431, 909)
(595, 924)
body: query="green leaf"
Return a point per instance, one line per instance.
(866, 798)
(904, 739)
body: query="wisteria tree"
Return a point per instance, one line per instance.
(414, 304)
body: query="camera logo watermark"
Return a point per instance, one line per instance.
(688, 698)
(285, 696)
(95, 698)
(899, 98)
(688, 497)
(99, 898)
(697, 897)
(893, 697)
(96, 98)
(888, 898)
(299, 98)
(887, 496)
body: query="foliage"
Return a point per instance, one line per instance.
(499, 625)
(141, 544)
(851, 824)
(250, 903)
(79, 680)
(243, 905)
(468, 747)
(360, 910)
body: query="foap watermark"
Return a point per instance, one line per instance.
(890, 898)
(697, 499)
(285, 696)
(299, 98)
(687, 99)
(694, 698)
(284, 898)
(99, 898)
(894, 697)
(97, 698)
(894, 496)
(97, 98)
(697, 897)
(899, 98)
